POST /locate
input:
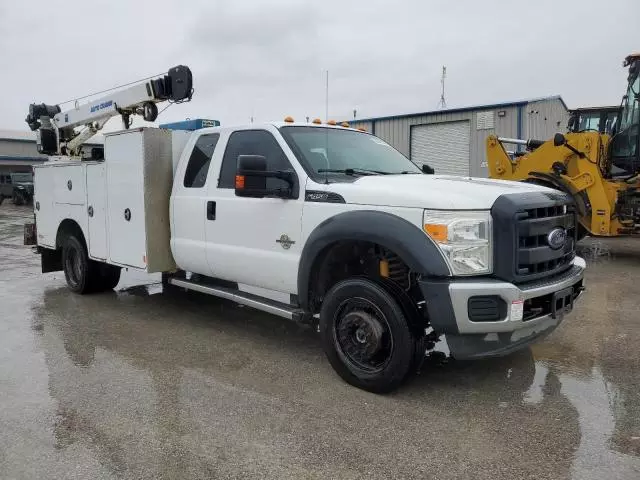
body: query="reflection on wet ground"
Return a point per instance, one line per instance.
(142, 383)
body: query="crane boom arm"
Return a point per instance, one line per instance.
(55, 129)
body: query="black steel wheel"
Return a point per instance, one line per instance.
(366, 336)
(77, 267)
(362, 333)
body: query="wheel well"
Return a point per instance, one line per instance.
(66, 228)
(352, 258)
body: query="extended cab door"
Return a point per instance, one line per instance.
(188, 204)
(255, 241)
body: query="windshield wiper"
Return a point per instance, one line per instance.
(352, 171)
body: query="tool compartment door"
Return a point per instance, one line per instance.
(46, 221)
(69, 184)
(97, 210)
(125, 198)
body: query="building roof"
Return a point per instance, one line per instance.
(29, 136)
(18, 135)
(464, 109)
(13, 160)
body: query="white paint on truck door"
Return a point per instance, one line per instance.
(443, 146)
(96, 210)
(255, 241)
(188, 203)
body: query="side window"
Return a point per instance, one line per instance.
(196, 174)
(253, 142)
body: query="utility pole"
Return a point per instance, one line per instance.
(326, 100)
(443, 103)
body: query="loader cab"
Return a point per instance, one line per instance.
(593, 119)
(625, 144)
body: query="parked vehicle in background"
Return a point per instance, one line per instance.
(17, 186)
(597, 162)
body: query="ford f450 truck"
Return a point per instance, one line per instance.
(323, 224)
(309, 221)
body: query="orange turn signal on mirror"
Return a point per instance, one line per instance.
(240, 182)
(439, 233)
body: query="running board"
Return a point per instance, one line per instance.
(266, 305)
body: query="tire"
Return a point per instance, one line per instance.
(107, 278)
(79, 270)
(17, 199)
(366, 336)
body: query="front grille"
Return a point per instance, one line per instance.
(522, 223)
(534, 255)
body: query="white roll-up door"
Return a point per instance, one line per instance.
(443, 146)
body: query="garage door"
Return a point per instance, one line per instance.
(444, 146)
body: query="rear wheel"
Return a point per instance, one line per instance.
(18, 199)
(107, 278)
(79, 271)
(84, 275)
(366, 336)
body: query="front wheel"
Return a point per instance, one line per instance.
(366, 336)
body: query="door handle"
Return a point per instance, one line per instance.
(211, 210)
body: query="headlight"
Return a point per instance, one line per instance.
(464, 238)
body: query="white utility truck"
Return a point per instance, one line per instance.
(312, 222)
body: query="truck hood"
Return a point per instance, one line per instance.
(428, 191)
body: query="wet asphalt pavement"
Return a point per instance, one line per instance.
(144, 384)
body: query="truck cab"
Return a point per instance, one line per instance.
(322, 224)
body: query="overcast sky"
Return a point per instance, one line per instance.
(267, 59)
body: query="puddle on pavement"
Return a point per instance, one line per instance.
(128, 378)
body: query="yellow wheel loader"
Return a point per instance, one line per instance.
(600, 170)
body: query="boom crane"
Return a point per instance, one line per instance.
(56, 129)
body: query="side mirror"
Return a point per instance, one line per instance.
(251, 178)
(559, 140)
(427, 169)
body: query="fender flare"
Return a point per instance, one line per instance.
(413, 246)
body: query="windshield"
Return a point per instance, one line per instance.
(331, 152)
(625, 145)
(21, 177)
(631, 109)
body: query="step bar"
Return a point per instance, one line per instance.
(264, 304)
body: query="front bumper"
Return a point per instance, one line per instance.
(448, 309)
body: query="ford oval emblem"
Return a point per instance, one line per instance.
(557, 238)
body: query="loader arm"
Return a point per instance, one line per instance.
(560, 167)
